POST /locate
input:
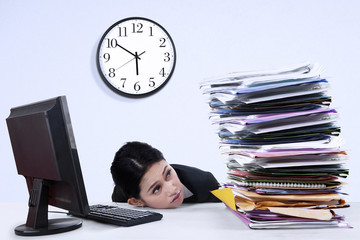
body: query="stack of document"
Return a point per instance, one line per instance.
(283, 147)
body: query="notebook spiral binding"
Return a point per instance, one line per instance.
(280, 185)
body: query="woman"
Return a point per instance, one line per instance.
(142, 177)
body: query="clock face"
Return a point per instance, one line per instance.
(136, 57)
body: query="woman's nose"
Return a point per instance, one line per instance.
(172, 189)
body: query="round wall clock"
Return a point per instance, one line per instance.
(136, 57)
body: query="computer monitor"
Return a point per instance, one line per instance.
(45, 154)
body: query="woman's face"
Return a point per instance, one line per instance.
(160, 187)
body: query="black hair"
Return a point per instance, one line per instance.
(131, 162)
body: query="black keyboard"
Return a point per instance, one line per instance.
(122, 216)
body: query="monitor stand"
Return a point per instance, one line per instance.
(37, 223)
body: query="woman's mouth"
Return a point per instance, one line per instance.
(177, 197)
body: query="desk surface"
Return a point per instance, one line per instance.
(189, 221)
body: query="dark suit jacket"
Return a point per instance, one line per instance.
(199, 182)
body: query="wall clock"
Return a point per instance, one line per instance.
(136, 57)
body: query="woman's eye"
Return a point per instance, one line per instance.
(156, 189)
(168, 173)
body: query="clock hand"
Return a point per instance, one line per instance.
(125, 63)
(130, 60)
(126, 50)
(137, 63)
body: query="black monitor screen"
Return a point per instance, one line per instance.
(45, 154)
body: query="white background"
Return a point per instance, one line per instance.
(48, 48)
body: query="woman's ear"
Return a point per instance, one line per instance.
(136, 202)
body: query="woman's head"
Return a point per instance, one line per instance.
(143, 177)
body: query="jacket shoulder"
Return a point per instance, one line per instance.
(199, 182)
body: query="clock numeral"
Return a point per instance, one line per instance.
(167, 57)
(137, 28)
(111, 72)
(111, 43)
(162, 42)
(162, 72)
(151, 82)
(151, 32)
(137, 86)
(122, 32)
(106, 56)
(123, 79)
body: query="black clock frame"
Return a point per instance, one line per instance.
(118, 91)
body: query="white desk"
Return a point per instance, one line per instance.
(195, 221)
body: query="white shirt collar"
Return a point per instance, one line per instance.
(187, 192)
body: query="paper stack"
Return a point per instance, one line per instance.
(281, 139)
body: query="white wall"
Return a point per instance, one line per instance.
(47, 48)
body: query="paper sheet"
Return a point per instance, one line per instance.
(226, 196)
